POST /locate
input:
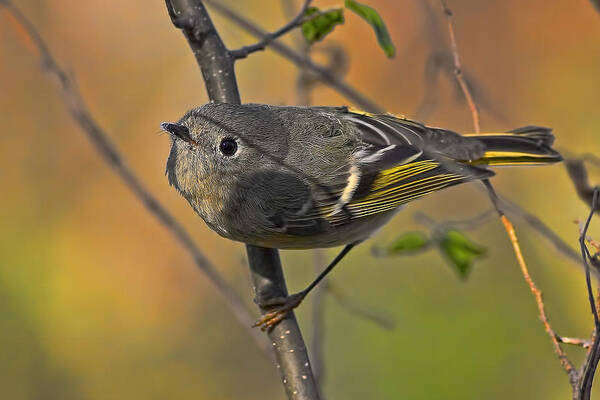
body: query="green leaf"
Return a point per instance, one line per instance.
(321, 24)
(408, 242)
(374, 19)
(460, 251)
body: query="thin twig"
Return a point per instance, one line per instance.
(458, 69)
(295, 22)
(541, 228)
(591, 241)
(267, 277)
(585, 343)
(589, 370)
(585, 255)
(102, 144)
(537, 293)
(326, 76)
(440, 60)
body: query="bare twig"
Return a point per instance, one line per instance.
(537, 293)
(269, 37)
(266, 273)
(589, 369)
(585, 343)
(590, 240)
(440, 60)
(102, 144)
(538, 225)
(326, 76)
(290, 351)
(458, 69)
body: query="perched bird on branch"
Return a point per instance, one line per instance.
(311, 177)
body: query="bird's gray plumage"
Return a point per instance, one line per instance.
(311, 176)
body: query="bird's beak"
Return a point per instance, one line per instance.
(179, 131)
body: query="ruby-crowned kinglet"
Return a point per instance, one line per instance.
(307, 177)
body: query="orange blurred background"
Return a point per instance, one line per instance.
(97, 301)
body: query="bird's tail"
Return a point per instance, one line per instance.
(529, 145)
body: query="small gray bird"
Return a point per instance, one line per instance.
(310, 177)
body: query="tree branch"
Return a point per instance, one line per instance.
(286, 339)
(269, 37)
(211, 54)
(266, 273)
(102, 144)
(593, 356)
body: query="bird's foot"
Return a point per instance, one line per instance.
(278, 308)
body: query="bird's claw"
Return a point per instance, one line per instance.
(279, 308)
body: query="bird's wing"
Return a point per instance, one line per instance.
(385, 178)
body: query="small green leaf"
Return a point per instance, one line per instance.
(408, 242)
(321, 24)
(460, 251)
(374, 19)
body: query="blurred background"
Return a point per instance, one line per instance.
(97, 301)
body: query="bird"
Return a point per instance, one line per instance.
(289, 177)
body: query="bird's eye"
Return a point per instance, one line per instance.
(228, 146)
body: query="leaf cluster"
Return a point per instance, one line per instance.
(320, 23)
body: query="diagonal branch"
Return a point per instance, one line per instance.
(269, 37)
(538, 225)
(102, 144)
(537, 293)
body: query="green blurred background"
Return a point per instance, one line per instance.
(97, 301)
